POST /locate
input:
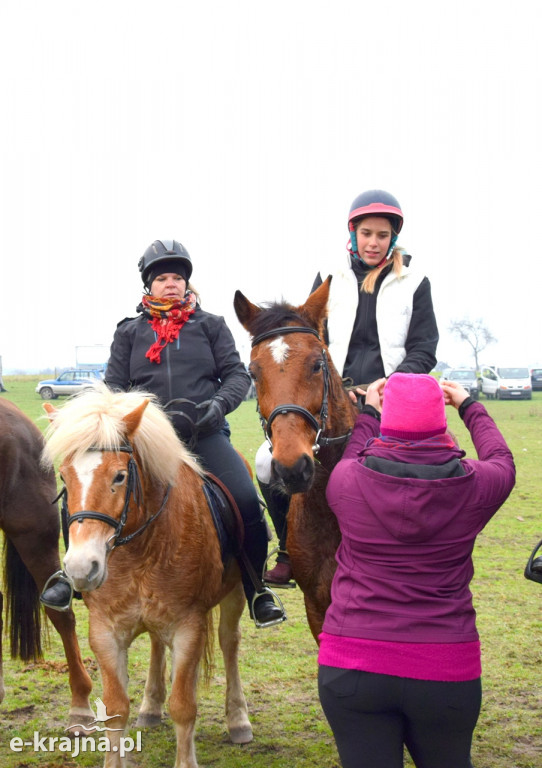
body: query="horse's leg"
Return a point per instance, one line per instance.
(2, 689)
(80, 682)
(150, 713)
(188, 645)
(39, 553)
(229, 634)
(112, 658)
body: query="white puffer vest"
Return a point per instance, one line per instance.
(393, 314)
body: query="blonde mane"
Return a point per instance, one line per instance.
(94, 420)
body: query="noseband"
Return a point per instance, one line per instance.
(319, 424)
(133, 490)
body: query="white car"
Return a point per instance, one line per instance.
(506, 383)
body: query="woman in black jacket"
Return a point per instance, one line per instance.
(176, 350)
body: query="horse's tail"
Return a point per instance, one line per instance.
(23, 616)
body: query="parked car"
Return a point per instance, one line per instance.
(505, 383)
(536, 378)
(466, 377)
(68, 383)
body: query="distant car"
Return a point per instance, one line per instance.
(536, 378)
(506, 383)
(68, 383)
(466, 377)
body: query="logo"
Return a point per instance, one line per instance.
(82, 738)
(101, 717)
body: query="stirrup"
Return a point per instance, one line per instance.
(57, 577)
(263, 624)
(291, 584)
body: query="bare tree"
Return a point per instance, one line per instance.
(475, 333)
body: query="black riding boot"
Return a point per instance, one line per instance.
(59, 595)
(278, 504)
(263, 610)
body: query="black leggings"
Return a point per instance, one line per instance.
(220, 458)
(372, 716)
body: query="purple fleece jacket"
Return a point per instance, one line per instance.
(405, 560)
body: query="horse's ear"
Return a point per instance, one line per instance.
(133, 419)
(50, 410)
(315, 308)
(244, 309)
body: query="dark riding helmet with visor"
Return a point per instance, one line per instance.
(375, 202)
(164, 256)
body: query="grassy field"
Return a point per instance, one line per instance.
(278, 665)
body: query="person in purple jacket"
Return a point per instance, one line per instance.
(399, 658)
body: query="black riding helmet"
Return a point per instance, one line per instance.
(170, 251)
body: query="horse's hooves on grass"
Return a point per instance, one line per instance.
(242, 735)
(148, 721)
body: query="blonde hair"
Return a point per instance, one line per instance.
(368, 285)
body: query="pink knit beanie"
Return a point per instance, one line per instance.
(413, 407)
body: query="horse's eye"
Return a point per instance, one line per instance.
(252, 374)
(317, 366)
(119, 478)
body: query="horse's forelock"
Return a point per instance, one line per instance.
(276, 316)
(94, 420)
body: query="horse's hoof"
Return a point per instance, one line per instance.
(148, 721)
(241, 735)
(78, 723)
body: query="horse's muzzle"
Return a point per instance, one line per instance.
(297, 478)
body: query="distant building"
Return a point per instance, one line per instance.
(93, 357)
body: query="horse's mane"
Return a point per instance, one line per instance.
(94, 420)
(276, 315)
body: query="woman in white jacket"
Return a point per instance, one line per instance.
(380, 320)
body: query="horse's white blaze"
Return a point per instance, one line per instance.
(84, 468)
(279, 349)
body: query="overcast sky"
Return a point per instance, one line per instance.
(245, 130)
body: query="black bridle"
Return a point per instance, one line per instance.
(133, 491)
(318, 424)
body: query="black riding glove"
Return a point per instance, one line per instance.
(213, 414)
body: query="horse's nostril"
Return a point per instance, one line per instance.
(297, 478)
(95, 567)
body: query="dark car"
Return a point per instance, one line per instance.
(536, 378)
(68, 383)
(466, 377)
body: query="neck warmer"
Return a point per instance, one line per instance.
(167, 319)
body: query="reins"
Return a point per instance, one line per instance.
(133, 491)
(318, 424)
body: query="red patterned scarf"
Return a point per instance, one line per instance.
(167, 319)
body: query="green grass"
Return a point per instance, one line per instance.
(278, 665)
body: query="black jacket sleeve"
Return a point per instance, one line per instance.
(117, 374)
(235, 381)
(422, 337)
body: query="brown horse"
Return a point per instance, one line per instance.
(307, 417)
(30, 523)
(145, 553)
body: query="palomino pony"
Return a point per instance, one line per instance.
(30, 522)
(307, 417)
(144, 552)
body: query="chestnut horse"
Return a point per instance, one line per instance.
(144, 552)
(307, 417)
(30, 522)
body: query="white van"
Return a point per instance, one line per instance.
(504, 383)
